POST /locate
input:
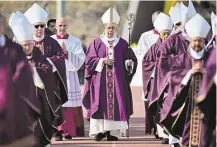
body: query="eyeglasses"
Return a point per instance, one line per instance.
(41, 26)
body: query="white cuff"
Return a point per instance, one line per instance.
(54, 67)
(37, 80)
(100, 65)
(143, 97)
(173, 140)
(186, 78)
(126, 65)
(152, 74)
(215, 79)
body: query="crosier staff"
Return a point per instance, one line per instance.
(131, 17)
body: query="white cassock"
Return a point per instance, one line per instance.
(76, 58)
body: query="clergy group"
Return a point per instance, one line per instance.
(40, 95)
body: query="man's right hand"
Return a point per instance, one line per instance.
(107, 61)
(64, 47)
(197, 67)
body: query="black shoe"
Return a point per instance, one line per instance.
(156, 136)
(112, 138)
(99, 137)
(58, 136)
(165, 141)
(176, 145)
(68, 137)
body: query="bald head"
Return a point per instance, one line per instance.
(61, 20)
(61, 26)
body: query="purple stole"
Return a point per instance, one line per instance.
(110, 87)
(195, 121)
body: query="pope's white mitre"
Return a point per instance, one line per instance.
(111, 16)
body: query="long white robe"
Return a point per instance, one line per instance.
(76, 58)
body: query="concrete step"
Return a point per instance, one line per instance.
(147, 141)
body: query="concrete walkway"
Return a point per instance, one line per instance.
(137, 131)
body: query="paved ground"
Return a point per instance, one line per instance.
(137, 129)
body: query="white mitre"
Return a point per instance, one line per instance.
(175, 13)
(188, 13)
(163, 22)
(197, 27)
(21, 27)
(213, 23)
(36, 14)
(214, 30)
(111, 16)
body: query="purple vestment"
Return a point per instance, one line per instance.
(46, 98)
(118, 104)
(148, 65)
(52, 50)
(148, 68)
(179, 113)
(208, 104)
(170, 48)
(20, 107)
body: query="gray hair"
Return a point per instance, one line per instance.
(154, 15)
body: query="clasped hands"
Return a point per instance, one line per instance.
(108, 61)
(63, 46)
(197, 67)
